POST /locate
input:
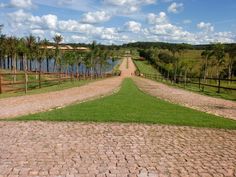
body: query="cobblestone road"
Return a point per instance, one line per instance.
(121, 150)
(193, 100)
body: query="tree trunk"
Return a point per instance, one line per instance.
(185, 77)
(4, 62)
(175, 73)
(14, 67)
(47, 65)
(1, 61)
(25, 61)
(230, 71)
(22, 63)
(30, 65)
(77, 70)
(8, 61)
(205, 69)
(40, 70)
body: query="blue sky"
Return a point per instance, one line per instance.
(122, 21)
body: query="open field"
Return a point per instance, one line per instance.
(132, 105)
(145, 67)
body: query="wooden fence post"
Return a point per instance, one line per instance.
(59, 78)
(218, 91)
(39, 79)
(199, 82)
(26, 82)
(71, 76)
(0, 83)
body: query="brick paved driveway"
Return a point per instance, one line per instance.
(81, 149)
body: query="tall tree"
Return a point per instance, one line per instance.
(219, 53)
(231, 50)
(175, 49)
(13, 42)
(206, 55)
(2, 51)
(93, 52)
(47, 54)
(58, 39)
(79, 59)
(30, 44)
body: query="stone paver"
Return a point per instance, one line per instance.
(127, 150)
(193, 100)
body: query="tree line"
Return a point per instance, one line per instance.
(216, 60)
(30, 49)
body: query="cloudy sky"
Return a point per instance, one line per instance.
(122, 21)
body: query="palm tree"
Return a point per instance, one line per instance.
(103, 60)
(79, 59)
(46, 54)
(92, 56)
(2, 51)
(231, 50)
(12, 44)
(206, 55)
(57, 39)
(175, 49)
(23, 51)
(219, 53)
(30, 44)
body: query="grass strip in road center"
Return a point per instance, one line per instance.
(132, 105)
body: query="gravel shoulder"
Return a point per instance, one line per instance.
(216, 106)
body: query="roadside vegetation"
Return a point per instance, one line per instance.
(132, 105)
(146, 67)
(183, 64)
(28, 55)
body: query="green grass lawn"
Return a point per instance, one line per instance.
(145, 67)
(132, 105)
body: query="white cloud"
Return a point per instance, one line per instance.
(127, 6)
(157, 19)
(187, 21)
(133, 26)
(129, 2)
(50, 21)
(207, 27)
(171, 33)
(23, 4)
(159, 28)
(77, 39)
(175, 7)
(26, 20)
(96, 17)
(38, 32)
